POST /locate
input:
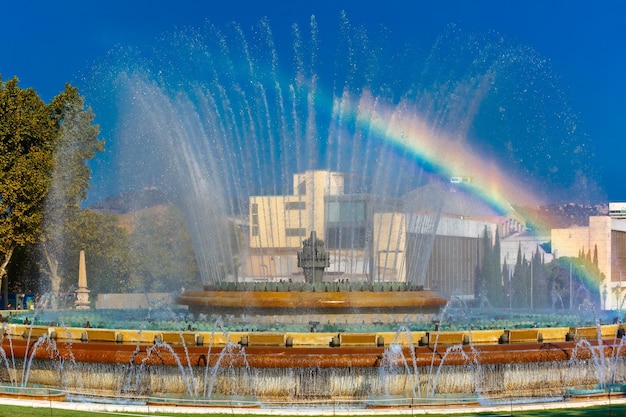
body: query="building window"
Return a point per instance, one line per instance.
(346, 237)
(254, 229)
(295, 232)
(346, 211)
(295, 205)
(302, 188)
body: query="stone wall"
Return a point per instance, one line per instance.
(133, 300)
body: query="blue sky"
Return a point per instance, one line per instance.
(46, 44)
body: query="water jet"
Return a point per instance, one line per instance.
(257, 162)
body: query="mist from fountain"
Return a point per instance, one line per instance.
(212, 117)
(473, 364)
(18, 369)
(458, 376)
(394, 356)
(605, 365)
(423, 381)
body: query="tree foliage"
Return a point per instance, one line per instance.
(575, 282)
(539, 282)
(28, 131)
(489, 274)
(107, 254)
(494, 274)
(163, 256)
(44, 176)
(529, 287)
(77, 143)
(520, 282)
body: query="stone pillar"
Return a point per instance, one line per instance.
(82, 294)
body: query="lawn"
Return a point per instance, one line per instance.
(607, 410)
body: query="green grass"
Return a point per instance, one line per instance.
(606, 410)
(19, 411)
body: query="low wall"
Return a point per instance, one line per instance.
(315, 339)
(133, 300)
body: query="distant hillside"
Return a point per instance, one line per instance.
(559, 215)
(128, 220)
(563, 215)
(149, 197)
(132, 201)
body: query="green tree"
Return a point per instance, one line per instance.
(489, 272)
(77, 143)
(557, 273)
(578, 274)
(107, 253)
(541, 295)
(163, 256)
(23, 270)
(485, 266)
(521, 281)
(506, 279)
(28, 131)
(494, 288)
(479, 282)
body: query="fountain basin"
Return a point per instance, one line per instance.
(32, 393)
(595, 391)
(306, 368)
(313, 302)
(286, 350)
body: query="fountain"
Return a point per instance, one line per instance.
(313, 259)
(314, 301)
(403, 368)
(257, 160)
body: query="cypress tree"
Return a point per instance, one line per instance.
(506, 284)
(486, 266)
(521, 284)
(478, 275)
(495, 275)
(540, 285)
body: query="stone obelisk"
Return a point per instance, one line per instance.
(82, 294)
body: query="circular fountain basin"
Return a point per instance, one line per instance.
(323, 367)
(303, 350)
(32, 393)
(313, 302)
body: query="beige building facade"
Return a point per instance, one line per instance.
(608, 235)
(431, 238)
(279, 224)
(431, 250)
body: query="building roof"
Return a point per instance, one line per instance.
(454, 199)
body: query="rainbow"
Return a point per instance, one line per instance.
(411, 134)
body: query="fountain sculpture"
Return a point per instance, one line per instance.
(316, 300)
(218, 126)
(313, 259)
